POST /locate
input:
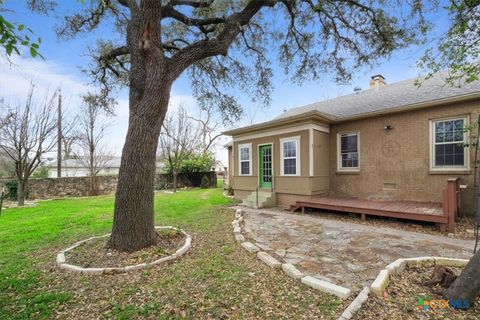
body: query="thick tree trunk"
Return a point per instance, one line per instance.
(93, 185)
(133, 225)
(467, 286)
(150, 84)
(92, 173)
(175, 180)
(21, 193)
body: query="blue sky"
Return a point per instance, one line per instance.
(63, 59)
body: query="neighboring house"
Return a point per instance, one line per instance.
(75, 168)
(219, 167)
(392, 142)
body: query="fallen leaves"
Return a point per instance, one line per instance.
(401, 299)
(96, 254)
(216, 279)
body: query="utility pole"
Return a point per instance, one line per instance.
(59, 136)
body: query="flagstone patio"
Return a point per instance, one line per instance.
(343, 253)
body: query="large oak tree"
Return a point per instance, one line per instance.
(224, 47)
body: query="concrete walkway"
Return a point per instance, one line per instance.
(343, 253)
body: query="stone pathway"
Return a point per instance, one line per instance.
(343, 253)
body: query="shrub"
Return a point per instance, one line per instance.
(230, 191)
(41, 173)
(12, 188)
(194, 163)
(205, 183)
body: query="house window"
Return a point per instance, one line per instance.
(245, 159)
(290, 153)
(448, 144)
(348, 151)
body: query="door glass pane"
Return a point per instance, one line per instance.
(267, 164)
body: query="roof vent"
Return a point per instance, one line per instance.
(357, 89)
(377, 81)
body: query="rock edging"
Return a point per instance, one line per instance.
(381, 281)
(288, 268)
(62, 261)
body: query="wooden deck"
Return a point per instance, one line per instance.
(409, 210)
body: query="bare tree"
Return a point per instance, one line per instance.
(251, 115)
(180, 137)
(209, 128)
(94, 155)
(27, 133)
(68, 141)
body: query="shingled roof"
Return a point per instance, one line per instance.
(387, 98)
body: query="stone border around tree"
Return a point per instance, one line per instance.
(381, 281)
(62, 262)
(288, 268)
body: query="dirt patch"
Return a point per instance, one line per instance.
(464, 228)
(96, 254)
(408, 294)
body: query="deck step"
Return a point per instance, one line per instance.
(410, 210)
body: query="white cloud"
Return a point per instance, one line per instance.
(48, 75)
(186, 101)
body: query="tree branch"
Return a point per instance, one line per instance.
(116, 52)
(190, 3)
(169, 11)
(219, 46)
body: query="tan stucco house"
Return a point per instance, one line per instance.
(393, 141)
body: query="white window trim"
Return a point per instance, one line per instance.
(297, 170)
(249, 146)
(339, 152)
(466, 119)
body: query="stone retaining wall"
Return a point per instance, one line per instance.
(47, 188)
(80, 186)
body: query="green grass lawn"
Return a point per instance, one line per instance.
(211, 281)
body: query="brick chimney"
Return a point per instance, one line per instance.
(377, 81)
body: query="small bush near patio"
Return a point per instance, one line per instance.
(216, 279)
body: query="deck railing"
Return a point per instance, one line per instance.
(451, 202)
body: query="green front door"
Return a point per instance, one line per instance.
(265, 167)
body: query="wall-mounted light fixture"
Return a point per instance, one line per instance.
(387, 127)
